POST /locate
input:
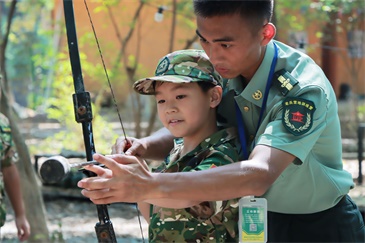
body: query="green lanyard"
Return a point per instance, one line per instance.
(241, 126)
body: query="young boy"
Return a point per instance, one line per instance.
(187, 92)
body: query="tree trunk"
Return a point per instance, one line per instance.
(329, 43)
(32, 196)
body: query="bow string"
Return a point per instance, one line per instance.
(83, 114)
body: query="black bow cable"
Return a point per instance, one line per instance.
(114, 100)
(83, 114)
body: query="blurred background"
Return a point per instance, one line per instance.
(37, 84)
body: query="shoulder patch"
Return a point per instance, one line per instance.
(284, 81)
(298, 115)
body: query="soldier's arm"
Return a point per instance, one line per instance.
(12, 188)
(243, 178)
(132, 182)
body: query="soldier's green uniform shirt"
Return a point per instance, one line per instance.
(300, 118)
(209, 221)
(7, 152)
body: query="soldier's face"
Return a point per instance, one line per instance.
(231, 45)
(185, 110)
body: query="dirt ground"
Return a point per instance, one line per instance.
(73, 220)
(70, 217)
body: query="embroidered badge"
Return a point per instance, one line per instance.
(298, 115)
(257, 95)
(162, 66)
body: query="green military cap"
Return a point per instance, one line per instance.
(183, 66)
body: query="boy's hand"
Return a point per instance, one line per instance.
(129, 146)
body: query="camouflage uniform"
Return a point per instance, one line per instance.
(209, 221)
(184, 66)
(7, 155)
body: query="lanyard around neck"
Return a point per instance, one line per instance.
(241, 126)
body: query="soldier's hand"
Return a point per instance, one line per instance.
(127, 179)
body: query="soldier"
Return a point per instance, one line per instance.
(9, 180)
(187, 92)
(286, 113)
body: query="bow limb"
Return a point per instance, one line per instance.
(83, 114)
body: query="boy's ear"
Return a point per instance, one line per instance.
(269, 31)
(215, 96)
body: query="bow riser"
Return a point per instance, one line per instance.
(83, 114)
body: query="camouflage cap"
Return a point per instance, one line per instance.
(184, 66)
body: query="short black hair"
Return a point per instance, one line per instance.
(257, 12)
(205, 86)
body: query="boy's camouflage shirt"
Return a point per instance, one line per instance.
(215, 221)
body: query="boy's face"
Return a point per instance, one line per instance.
(231, 45)
(185, 110)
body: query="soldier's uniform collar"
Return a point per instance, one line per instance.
(255, 89)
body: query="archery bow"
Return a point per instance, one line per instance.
(83, 114)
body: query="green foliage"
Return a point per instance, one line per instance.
(39, 238)
(57, 235)
(320, 11)
(361, 111)
(285, 11)
(29, 50)
(345, 12)
(61, 109)
(106, 3)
